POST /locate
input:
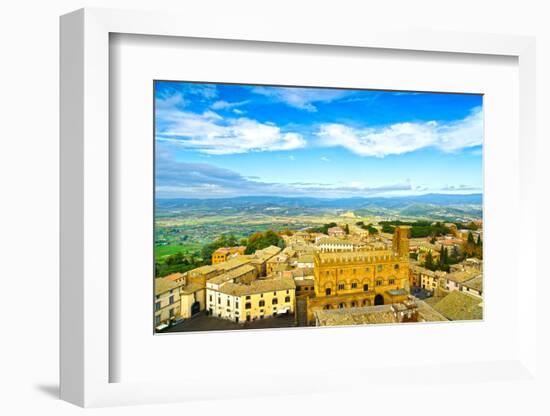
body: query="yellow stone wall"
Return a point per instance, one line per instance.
(255, 311)
(188, 299)
(346, 275)
(227, 307)
(165, 306)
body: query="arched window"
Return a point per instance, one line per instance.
(327, 291)
(341, 286)
(354, 285)
(342, 305)
(396, 267)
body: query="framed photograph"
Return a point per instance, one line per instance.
(285, 206)
(264, 200)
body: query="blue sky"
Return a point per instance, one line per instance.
(221, 140)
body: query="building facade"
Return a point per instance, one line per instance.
(362, 278)
(331, 244)
(224, 253)
(336, 232)
(167, 301)
(259, 299)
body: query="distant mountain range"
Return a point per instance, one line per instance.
(394, 202)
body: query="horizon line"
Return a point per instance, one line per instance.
(321, 197)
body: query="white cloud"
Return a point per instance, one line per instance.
(212, 134)
(222, 105)
(302, 98)
(402, 138)
(325, 159)
(170, 101)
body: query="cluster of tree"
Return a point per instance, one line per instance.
(222, 241)
(444, 262)
(472, 247)
(323, 228)
(286, 231)
(259, 241)
(177, 262)
(419, 229)
(472, 226)
(369, 227)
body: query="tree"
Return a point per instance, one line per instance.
(469, 247)
(176, 258)
(259, 241)
(387, 228)
(444, 260)
(479, 248)
(454, 253)
(443, 256)
(229, 241)
(371, 229)
(222, 241)
(429, 261)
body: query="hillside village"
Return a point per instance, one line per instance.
(341, 274)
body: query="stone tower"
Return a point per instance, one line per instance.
(401, 240)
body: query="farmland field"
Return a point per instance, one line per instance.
(185, 226)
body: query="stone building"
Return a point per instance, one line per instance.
(473, 286)
(336, 232)
(204, 273)
(304, 287)
(224, 253)
(426, 279)
(260, 258)
(259, 299)
(329, 244)
(460, 306)
(361, 278)
(274, 262)
(406, 311)
(167, 301)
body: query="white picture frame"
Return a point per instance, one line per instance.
(85, 201)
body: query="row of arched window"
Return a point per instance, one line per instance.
(352, 304)
(379, 268)
(355, 285)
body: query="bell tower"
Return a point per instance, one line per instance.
(401, 240)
